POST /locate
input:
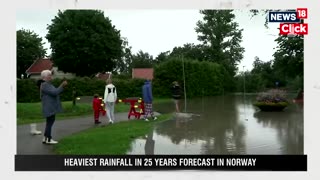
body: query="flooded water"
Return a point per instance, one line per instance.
(226, 125)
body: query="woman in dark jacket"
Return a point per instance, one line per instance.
(51, 104)
(176, 94)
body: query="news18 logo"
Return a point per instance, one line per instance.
(290, 21)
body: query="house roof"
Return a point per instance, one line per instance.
(39, 65)
(142, 73)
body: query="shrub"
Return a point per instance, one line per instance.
(202, 79)
(27, 90)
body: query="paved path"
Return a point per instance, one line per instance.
(32, 144)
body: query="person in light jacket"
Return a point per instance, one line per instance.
(110, 97)
(51, 104)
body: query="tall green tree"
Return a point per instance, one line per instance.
(84, 42)
(264, 71)
(29, 48)
(261, 67)
(123, 65)
(190, 51)
(162, 57)
(142, 60)
(288, 60)
(221, 38)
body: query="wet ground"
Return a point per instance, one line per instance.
(28, 144)
(226, 125)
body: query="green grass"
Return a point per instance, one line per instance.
(161, 100)
(112, 139)
(31, 112)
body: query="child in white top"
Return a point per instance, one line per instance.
(110, 97)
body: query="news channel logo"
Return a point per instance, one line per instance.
(291, 23)
(283, 17)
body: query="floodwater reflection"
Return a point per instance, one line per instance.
(226, 125)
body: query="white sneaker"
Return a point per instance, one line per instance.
(36, 132)
(155, 118)
(110, 122)
(146, 120)
(51, 141)
(44, 139)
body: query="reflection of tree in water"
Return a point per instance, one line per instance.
(218, 126)
(177, 131)
(149, 146)
(226, 138)
(289, 126)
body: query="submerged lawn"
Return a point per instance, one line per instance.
(112, 139)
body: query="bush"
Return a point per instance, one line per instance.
(202, 79)
(296, 83)
(27, 90)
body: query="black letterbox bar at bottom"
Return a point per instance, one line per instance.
(160, 162)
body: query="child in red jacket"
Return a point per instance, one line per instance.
(96, 104)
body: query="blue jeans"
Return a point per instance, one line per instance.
(49, 124)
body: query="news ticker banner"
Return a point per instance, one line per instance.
(160, 162)
(291, 22)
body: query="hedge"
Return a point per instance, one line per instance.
(27, 90)
(202, 79)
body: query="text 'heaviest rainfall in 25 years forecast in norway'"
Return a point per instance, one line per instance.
(194, 162)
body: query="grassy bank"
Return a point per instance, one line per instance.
(112, 139)
(31, 112)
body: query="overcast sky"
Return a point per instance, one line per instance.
(156, 31)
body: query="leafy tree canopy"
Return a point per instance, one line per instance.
(84, 42)
(29, 48)
(221, 37)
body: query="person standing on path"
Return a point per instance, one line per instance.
(147, 98)
(51, 104)
(96, 106)
(110, 97)
(176, 94)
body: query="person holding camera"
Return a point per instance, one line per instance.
(51, 104)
